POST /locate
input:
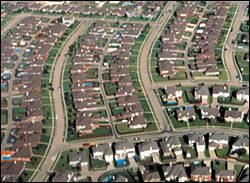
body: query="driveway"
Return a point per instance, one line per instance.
(132, 162)
(212, 154)
(156, 158)
(201, 155)
(207, 162)
(230, 165)
(179, 158)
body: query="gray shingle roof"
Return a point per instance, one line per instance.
(175, 171)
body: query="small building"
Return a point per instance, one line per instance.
(103, 151)
(225, 176)
(198, 141)
(241, 143)
(201, 174)
(233, 116)
(220, 139)
(185, 114)
(175, 173)
(201, 92)
(78, 158)
(124, 149)
(151, 176)
(209, 113)
(147, 149)
(243, 94)
(221, 91)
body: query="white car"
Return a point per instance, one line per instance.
(56, 116)
(59, 90)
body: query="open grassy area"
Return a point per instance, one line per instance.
(25, 176)
(238, 169)
(243, 125)
(190, 150)
(222, 152)
(219, 165)
(97, 164)
(63, 163)
(4, 116)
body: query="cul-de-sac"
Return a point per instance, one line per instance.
(124, 91)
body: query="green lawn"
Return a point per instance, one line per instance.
(97, 164)
(123, 129)
(100, 131)
(4, 116)
(191, 150)
(63, 163)
(243, 125)
(25, 176)
(39, 150)
(222, 152)
(238, 169)
(34, 162)
(17, 101)
(219, 165)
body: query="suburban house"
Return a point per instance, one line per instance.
(11, 169)
(220, 139)
(201, 92)
(64, 176)
(22, 153)
(201, 174)
(78, 158)
(147, 149)
(233, 116)
(243, 94)
(137, 122)
(241, 142)
(175, 173)
(225, 176)
(103, 151)
(151, 176)
(221, 91)
(173, 92)
(198, 141)
(209, 113)
(185, 114)
(124, 149)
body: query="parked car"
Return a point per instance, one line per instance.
(85, 144)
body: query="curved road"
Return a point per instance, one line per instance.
(143, 68)
(59, 130)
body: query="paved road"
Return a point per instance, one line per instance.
(230, 47)
(59, 130)
(145, 75)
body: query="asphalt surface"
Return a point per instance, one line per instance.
(147, 85)
(59, 130)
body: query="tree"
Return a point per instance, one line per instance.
(241, 152)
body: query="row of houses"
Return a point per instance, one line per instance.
(169, 146)
(28, 82)
(210, 113)
(207, 36)
(135, 9)
(202, 93)
(119, 73)
(84, 76)
(174, 37)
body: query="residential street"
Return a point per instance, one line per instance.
(59, 130)
(147, 85)
(232, 36)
